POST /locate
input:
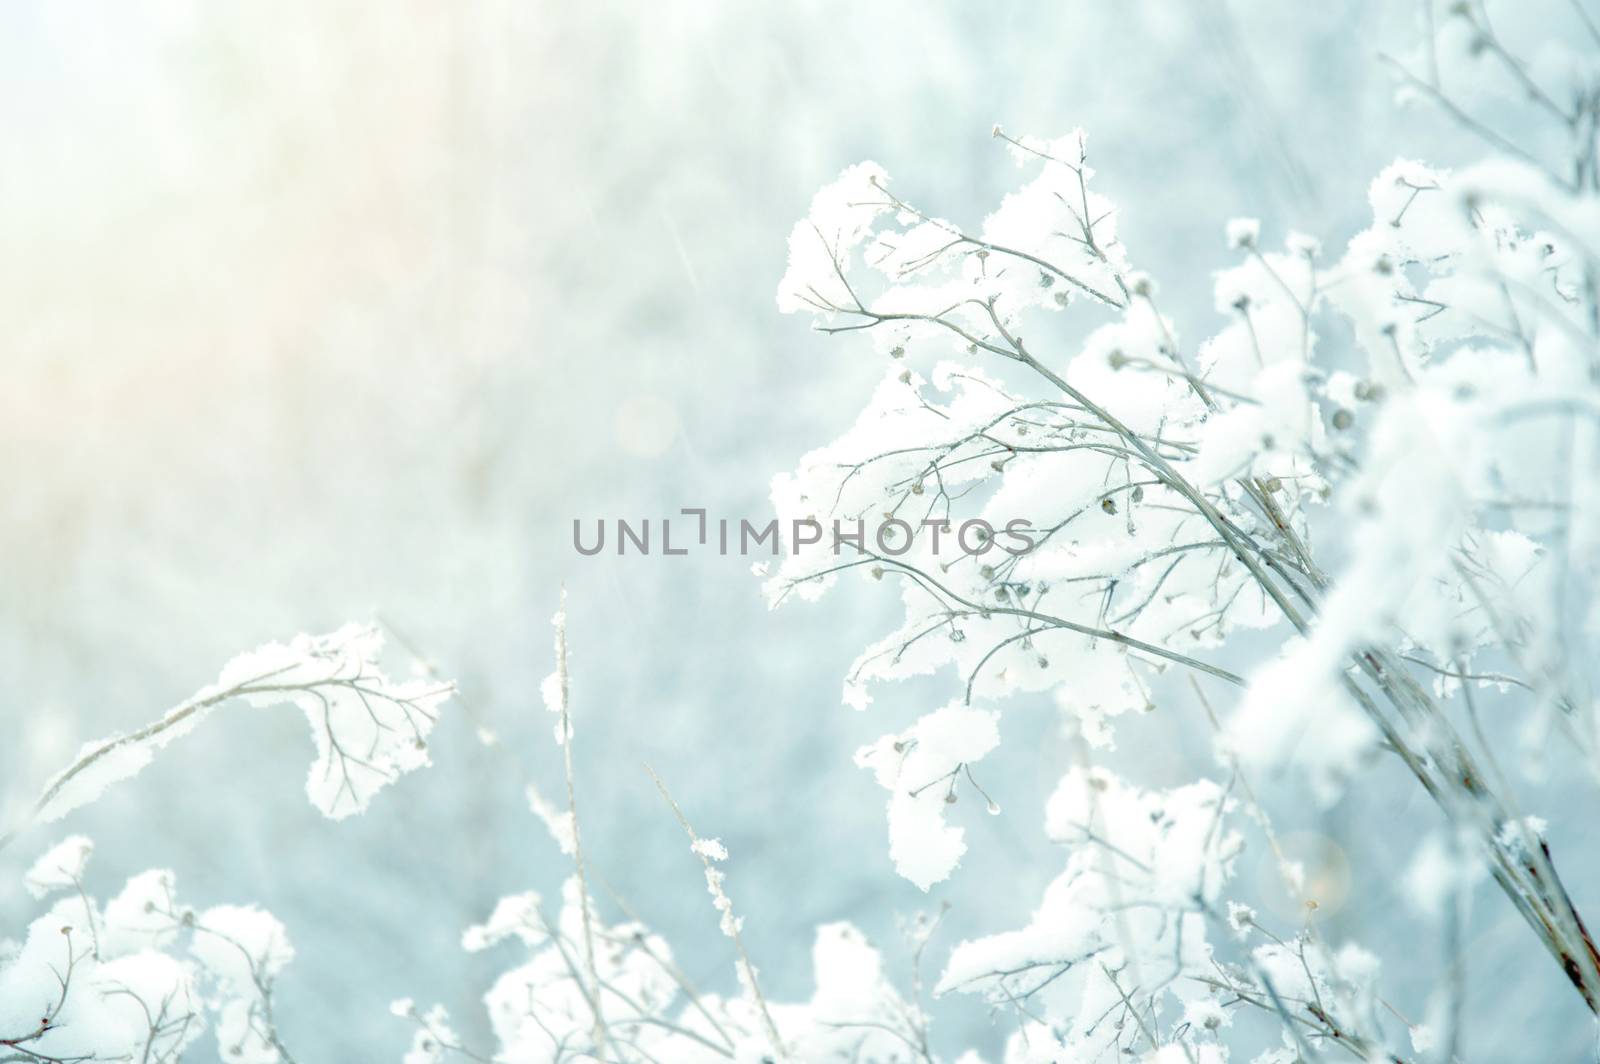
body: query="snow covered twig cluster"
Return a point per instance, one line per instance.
(141, 978)
(1384, 458)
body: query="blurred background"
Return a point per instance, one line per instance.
(319, 312)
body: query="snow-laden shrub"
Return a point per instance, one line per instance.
(143, 976)
(1117, 502)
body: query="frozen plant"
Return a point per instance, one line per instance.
(142, 977)
(592, 990)
(1385, 460)
(368, 730)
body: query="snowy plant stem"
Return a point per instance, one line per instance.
(1558, 924)
(675, 973)
(1110, 635)
(1163, 469)
(563, 687)
(731, 924)
(172, 719)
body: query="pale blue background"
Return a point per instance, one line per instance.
(316, 311)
